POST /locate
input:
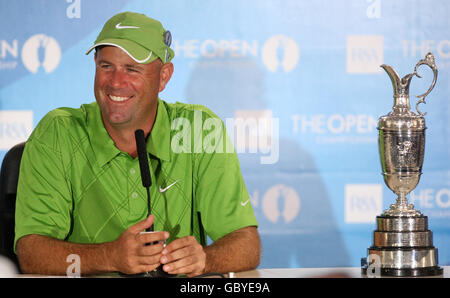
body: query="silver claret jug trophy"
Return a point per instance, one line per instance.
(402, 243)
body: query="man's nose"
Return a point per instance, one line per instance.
(118, 79)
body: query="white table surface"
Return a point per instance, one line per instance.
(341, 272)
(337, 272)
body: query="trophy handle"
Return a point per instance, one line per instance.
(429, 61)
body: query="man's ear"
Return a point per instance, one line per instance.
(165, 75)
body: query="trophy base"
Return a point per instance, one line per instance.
(402, 262)
(408, 272)
(402, 246)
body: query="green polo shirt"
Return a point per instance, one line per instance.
(76, 185)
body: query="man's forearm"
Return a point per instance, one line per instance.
(129, 253)
(45, 255)
(237, 251)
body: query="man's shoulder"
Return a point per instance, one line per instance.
(64, 119)
(188, 110)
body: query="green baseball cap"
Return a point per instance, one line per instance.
(142, 38)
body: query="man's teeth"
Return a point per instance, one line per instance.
(118, 98)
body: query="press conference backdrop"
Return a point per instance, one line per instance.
(297, 82)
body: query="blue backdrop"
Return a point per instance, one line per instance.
(302, 76)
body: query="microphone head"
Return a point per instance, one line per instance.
(143, 159)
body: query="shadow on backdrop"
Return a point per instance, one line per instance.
(291, 204)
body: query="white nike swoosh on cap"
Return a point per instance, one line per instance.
(118, 26)
(167, 187)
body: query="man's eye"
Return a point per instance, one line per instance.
(105, 66)
(132, 70)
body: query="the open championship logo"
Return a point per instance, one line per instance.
(281, 201)
(280, 50)
(39, 51)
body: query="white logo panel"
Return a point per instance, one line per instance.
(281, 201)
(41, 50)
(15, 127)
(363, 202)
(364, 53)
(280, 51)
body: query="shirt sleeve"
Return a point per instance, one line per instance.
(43, 204)
(220, 191)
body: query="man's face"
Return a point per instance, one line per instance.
(126, 91)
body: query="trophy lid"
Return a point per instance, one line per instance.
(401, 117)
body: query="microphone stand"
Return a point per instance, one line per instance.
(146, 182)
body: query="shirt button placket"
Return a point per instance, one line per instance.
(133, 195)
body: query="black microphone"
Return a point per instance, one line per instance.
(147, 182)
(145, 170)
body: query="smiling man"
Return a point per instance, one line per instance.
(127, 93)
(79, 188)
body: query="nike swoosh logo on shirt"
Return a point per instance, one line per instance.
(245, 203)
(118, 26)
(167, 187)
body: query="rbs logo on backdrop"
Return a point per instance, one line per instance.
(364, 53)
(15, 127)
(363, 202)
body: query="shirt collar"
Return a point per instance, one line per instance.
(105, 150)
(102, 144)
(159, 142)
